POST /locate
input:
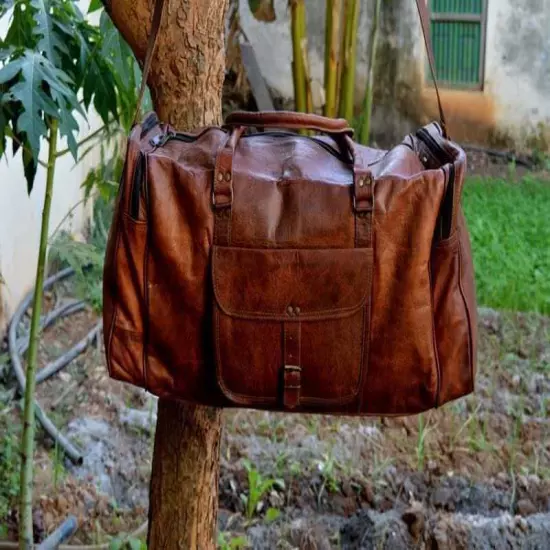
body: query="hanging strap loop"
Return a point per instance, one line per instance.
(155, 26)
(425, 23)
(151, 45)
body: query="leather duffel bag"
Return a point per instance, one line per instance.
(291, 272)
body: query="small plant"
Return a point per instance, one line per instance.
(131, 543)
(257, 488)
(233, 543)
(327, 468)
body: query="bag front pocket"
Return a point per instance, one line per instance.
(291, 326)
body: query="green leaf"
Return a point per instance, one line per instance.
(37, 74)
(115, 544)
(30, 165)
(135, 544)
(20, 33)
(272, 514)
(263, 10)
(49, 42)
(95, 5)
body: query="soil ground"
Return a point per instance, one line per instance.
(474, 474)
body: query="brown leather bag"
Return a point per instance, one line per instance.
(291, 272)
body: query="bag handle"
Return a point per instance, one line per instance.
(319, 122)
(290, 120)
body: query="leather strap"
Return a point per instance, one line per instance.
(151, 44)
(425, 23)
(276, 118)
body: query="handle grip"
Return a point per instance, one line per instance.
(289, 120)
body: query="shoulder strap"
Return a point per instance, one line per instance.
(425, 21)
(155, 26)
(151, 43)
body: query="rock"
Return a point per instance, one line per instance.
(525, 507)
(489, 319)
(369, 530)
(443, 498)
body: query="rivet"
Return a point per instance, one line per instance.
(297, 310)
(361, 182)
(220, 176)
(228, 176)
(290, 310)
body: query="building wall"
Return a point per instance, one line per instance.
(512, 110)
(20, 214)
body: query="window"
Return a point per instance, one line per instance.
(458, 36)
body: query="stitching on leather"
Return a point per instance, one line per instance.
(434, 339)
(468, 315)
(249, 399)
(146, 316)
(319, 315)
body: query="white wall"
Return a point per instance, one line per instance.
(518, 65)
(20, 214)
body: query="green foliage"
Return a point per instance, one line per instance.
(127, 543)
(233, 543)
(258, 486)
(508, 225)
(9, 470)
(49, 57)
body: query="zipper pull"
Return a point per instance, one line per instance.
(160, 139)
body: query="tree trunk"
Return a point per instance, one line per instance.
(186, 84)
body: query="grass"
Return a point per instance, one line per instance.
(510, 231)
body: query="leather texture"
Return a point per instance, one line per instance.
(289, 272)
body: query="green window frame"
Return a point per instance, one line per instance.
(458, 29)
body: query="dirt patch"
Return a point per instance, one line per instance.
(473, 474)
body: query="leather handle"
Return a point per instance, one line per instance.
(289, 120)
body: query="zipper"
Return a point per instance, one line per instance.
(137, 184)
(161, 139)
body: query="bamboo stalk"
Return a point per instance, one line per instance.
(369, 92)
(351, 15)
(298, 26)
(27, 440)
(332, 31)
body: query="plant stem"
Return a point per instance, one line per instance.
(27, 440)
(332, 30)
(369, 92)
(298, 29)
(348, 74)
(83, 141)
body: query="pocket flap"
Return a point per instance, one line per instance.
(297, 284)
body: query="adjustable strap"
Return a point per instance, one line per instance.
(425, 21)
(151, 44)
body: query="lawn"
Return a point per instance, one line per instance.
(509, 224)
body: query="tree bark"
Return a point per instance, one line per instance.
(186, 85)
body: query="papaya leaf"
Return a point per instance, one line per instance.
(20, 32)
(263, 10)
(49, 42)
(30, 165)
(37, 73)
(95, 5)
